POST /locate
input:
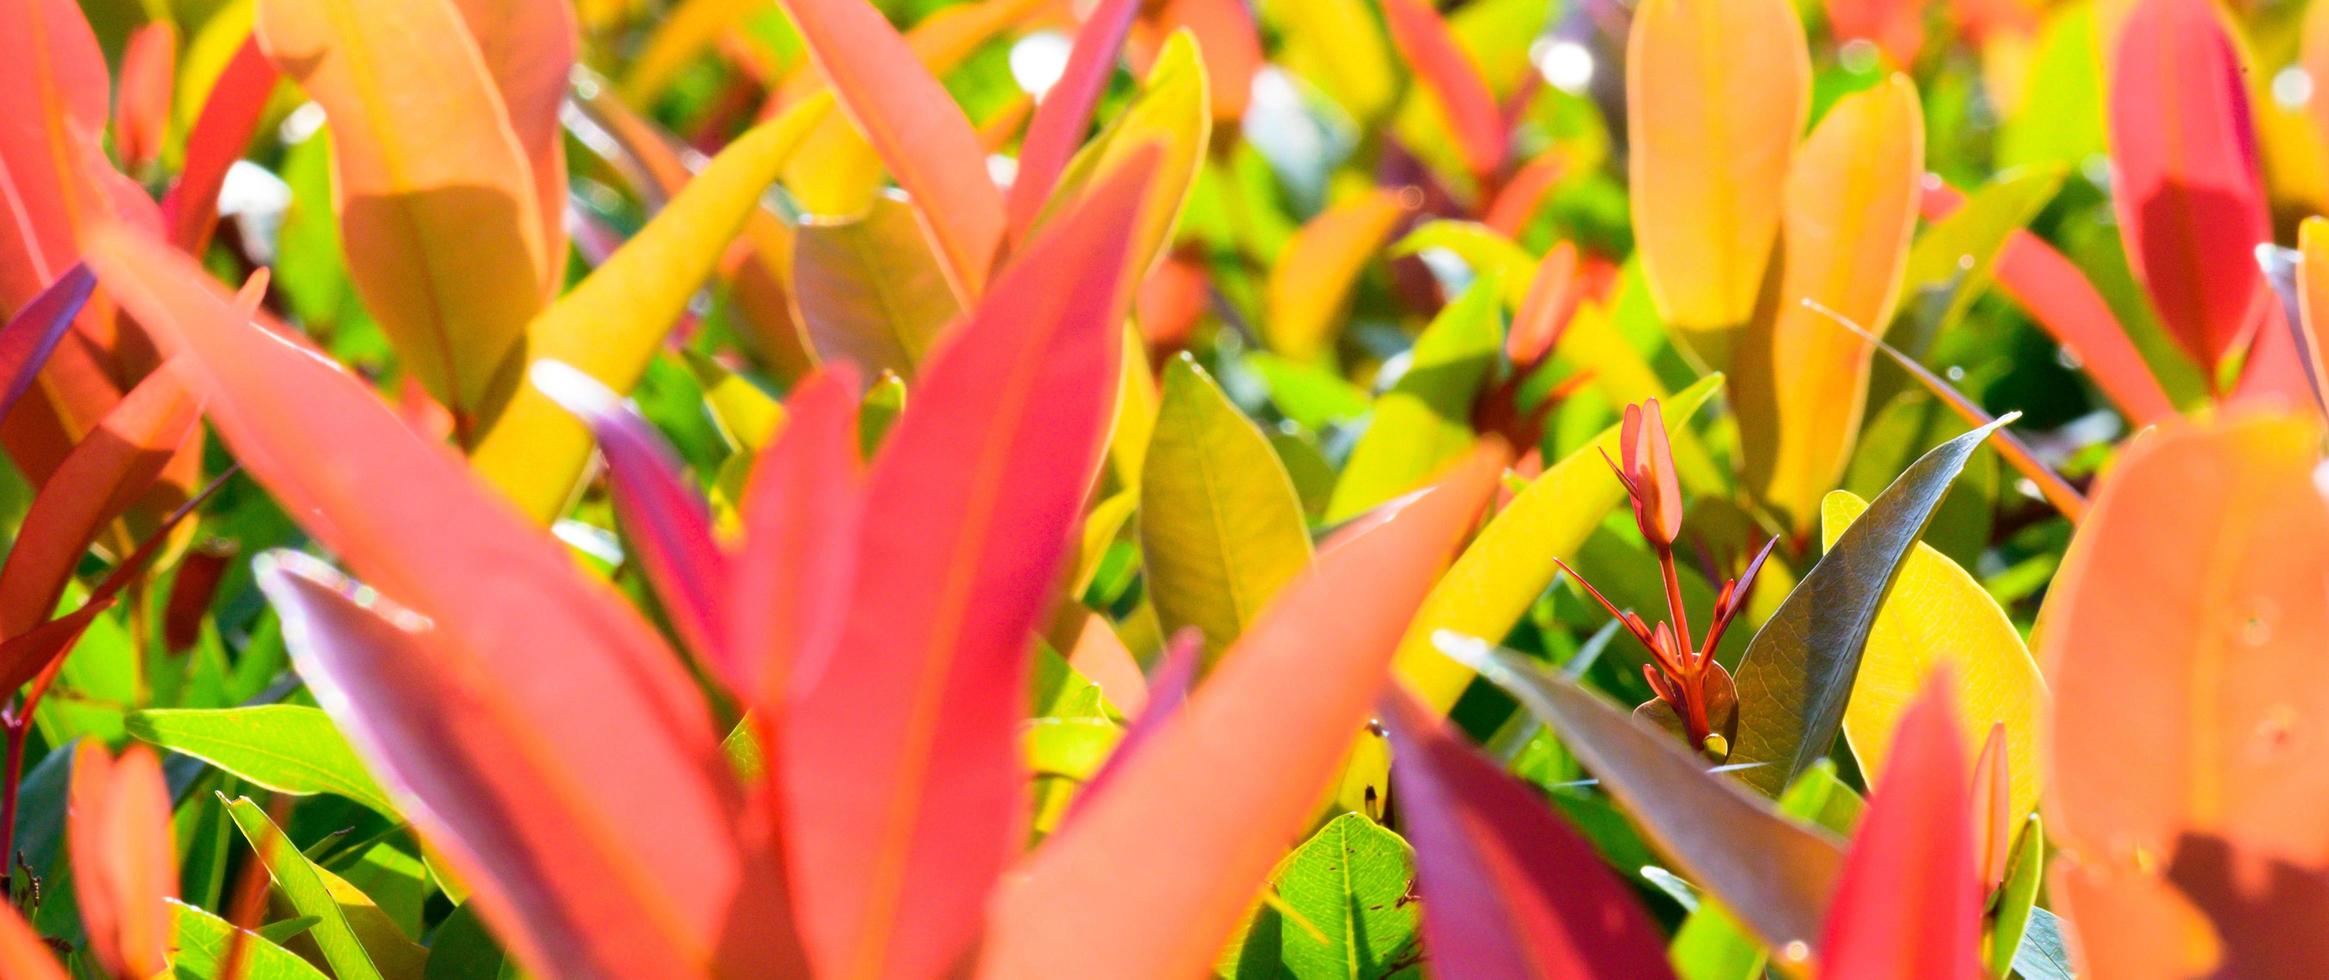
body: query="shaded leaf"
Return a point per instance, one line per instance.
(869, 289)
(1799, 670)
(1425, 420)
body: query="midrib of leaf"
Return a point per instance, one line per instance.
(258, 748)
(1349, 903)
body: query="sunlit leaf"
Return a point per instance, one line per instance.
(2182, 622)
(437, 202)
(1851, 202)
(1717, 92)
(1938, 618)
(282, 747)
(1800, 668)
(1220, 528)
(1116, 886)
(1425, 420)
(2184, 174)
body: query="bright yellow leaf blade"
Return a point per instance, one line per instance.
(1309, 288)
(1425, 420)
(1172, 112)
(610, 325)
(1851, 205)
(1511, 561)
(1221, 530)
(437, 202)
(1937, 614)
(1716, 93)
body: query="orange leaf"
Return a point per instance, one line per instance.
(125, 859)
(1850, 203)
(916, 127)
(1464, 96)
(1896, 26)
(1119, 891)
(23, 954)
(528, 48)
(1515, 890)
(544, 737)
(2184, 632)
(141, 110)
(438, 206)
(1716, 93)
(103, 475)
(2184, 175)
(1909, 904)
(1310, 285)
(905, 771)
(53, 176)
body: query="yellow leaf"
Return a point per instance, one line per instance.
(1510, 563)
(747, 417)
(1136, 404)
(1937, 614)
(1173, 111)
(1851, 204)
(1310, 285)
(1336, 45)
(436, 199)
(1221, 530)
(1716, 93)
(610, 326)
(1425, 420)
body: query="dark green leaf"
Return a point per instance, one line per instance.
(1799, 669)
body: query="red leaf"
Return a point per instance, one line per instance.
(33, 333)
(229, 118)
(791, 577)
(1512, 889)
(1910, 901)
(665, 520)
(51, 121)
(916, 127)
(551, 744)
(903, 760)
(1152, 876)
(1464, 97)
(1065, 113)
(2184, 175)
(99, 479)
(23, 954)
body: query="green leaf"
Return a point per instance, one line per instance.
(1776, 874)
(1712, 945)
(285, 748)
(1957, 255)
(1425, 421)
(2017, 898)
(884, 400)
(1310, 393)
(1799, 669)
(1352, 881)
(203, 940)
(464, 949)
(1510, 563)
(1220, 527)
(352, 952)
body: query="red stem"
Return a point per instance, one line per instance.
(14, 731)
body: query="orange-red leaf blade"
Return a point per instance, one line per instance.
(903, 761)
(1120, 891)
(1515, 891)
(916, 127)
(2184, 175)
(1910, 901)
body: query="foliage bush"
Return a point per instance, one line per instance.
(1020, 488)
